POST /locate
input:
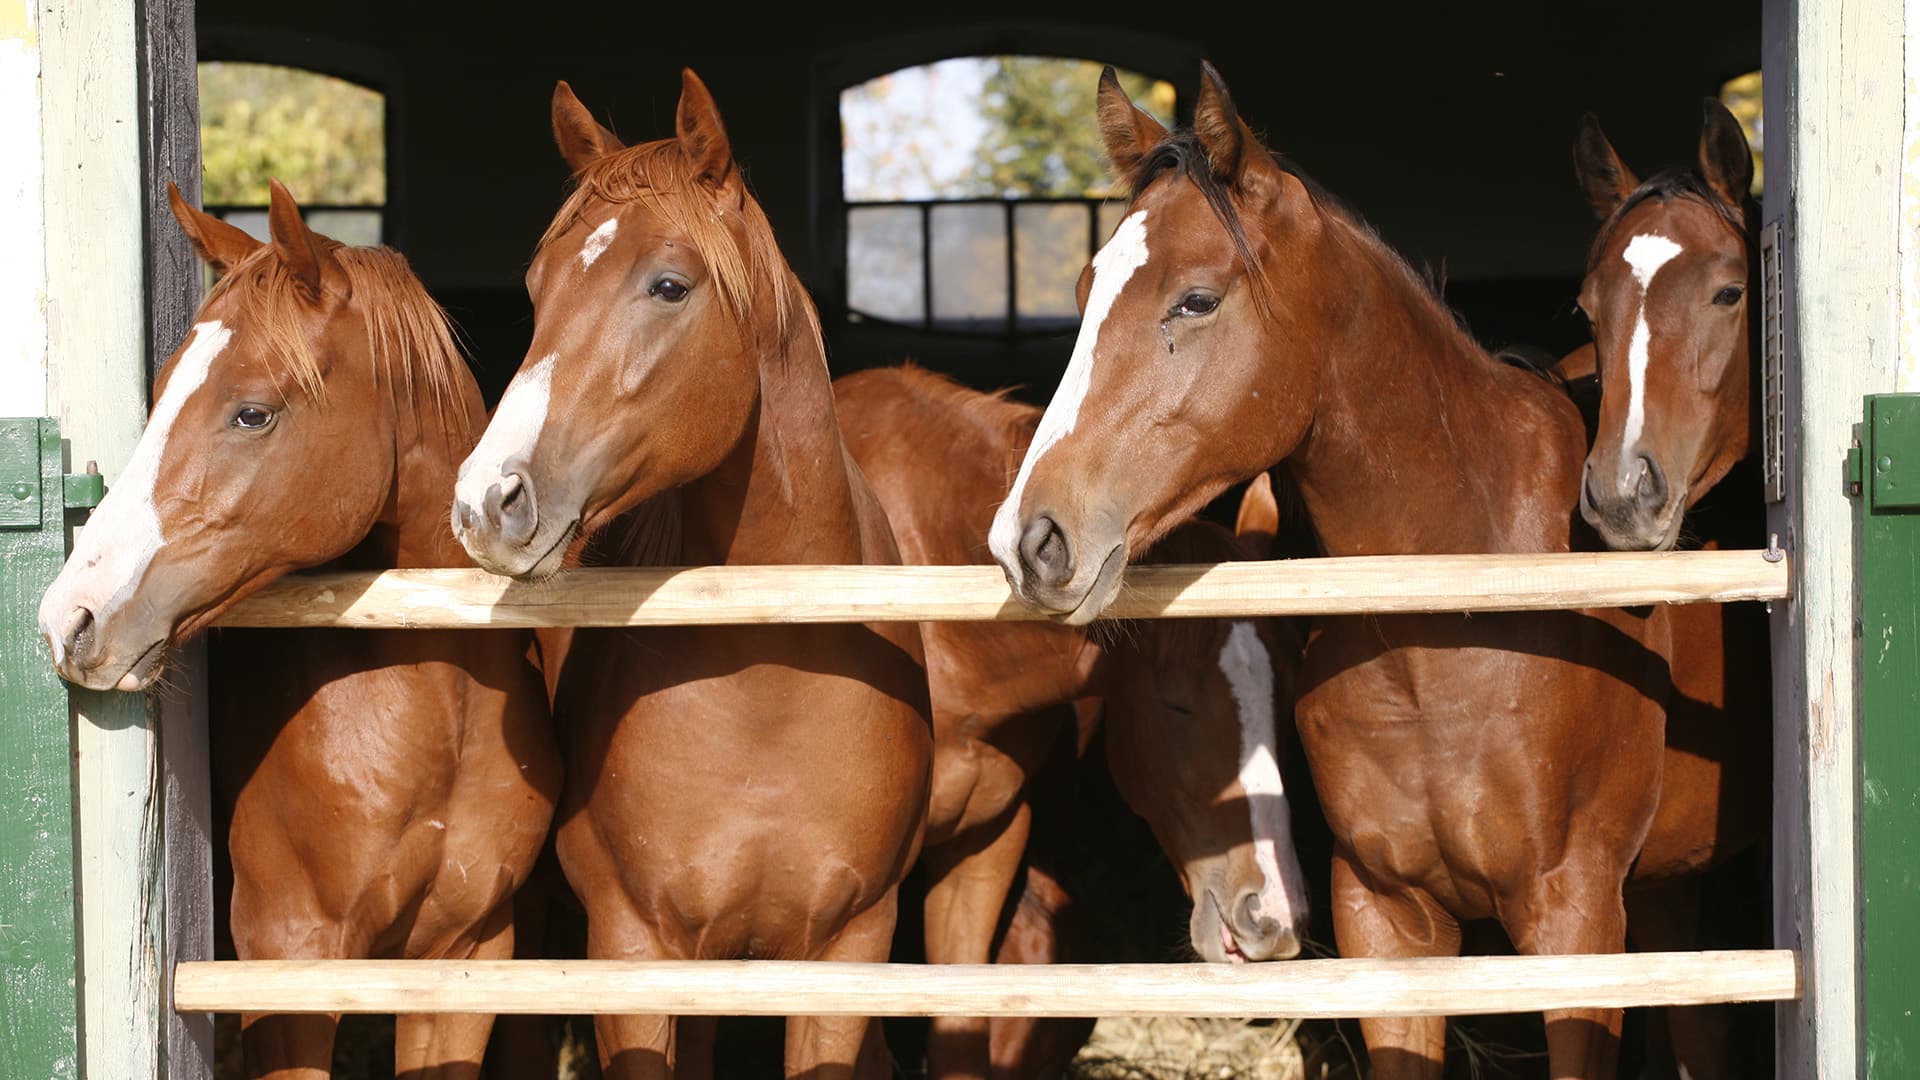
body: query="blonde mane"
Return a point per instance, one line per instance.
(408, 332)
(661, 176)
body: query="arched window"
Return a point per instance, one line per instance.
(976, 189)
(324, 138)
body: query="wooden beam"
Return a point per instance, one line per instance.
(1439, 986)
(96, 358)
(709, 595)
(170, 151)
(1837, 99)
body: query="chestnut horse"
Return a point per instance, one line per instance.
(390, 789)
(1666, 296)
(1500, 766)
(1190, 704)
(739, 791)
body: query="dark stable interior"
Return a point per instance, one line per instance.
(1448, 127)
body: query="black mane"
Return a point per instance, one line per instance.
(1668, 185)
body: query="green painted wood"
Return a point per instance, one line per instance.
(39, 1001)
(20, 475)
(1889, 806)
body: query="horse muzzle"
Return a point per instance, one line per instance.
(497, 519)
(1049, 570)
(87, 655)
(1631, 505)
(1239, 932)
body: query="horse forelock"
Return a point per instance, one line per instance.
(408, 333)
(660, 176)
(1673, 185)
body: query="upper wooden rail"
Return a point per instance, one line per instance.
(442, 599)
(1435, 986)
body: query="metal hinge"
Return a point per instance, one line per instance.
(84, 490)
(20, 480)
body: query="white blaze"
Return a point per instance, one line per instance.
(597, 242)
(514, 429)
(1249, 671)
(1113, 267)
(1645, 255)
(123, 535)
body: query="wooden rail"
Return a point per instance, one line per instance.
(1453, 986)
(447, 599)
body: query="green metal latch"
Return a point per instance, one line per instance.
(20, 478)
(1891, 454)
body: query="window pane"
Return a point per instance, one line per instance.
(324, 138)
(1741, 96)
(1112, 213)
(1050, 251)
(969, 267)
(982, 126)
(360, 228)
(883, 263)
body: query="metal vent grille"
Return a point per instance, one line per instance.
(1773, 365)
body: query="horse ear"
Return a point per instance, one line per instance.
(1258, 522)
(1726, 161)
(702, 136)
(1223, 135)
(293, 242)
(580, 137)
(1128, 132)
(220, 244)
(1603, 176)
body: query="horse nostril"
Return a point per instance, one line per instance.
(510, 490)
(511, 509)
(76, 637)
(1650, 489)
(1255, 924)
(1587, 488)
(1045, 552)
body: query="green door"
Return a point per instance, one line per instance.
(39, 1003)
(1887, 475)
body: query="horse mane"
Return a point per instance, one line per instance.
(408, 333)
(1181, 154)
(1668, 185)
(662, 176)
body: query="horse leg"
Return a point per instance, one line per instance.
(288, 1046)
(632, 1047)
(693, 1044)
(829, 1047)
(451, 1046)
(1571, 912)
(1665, 917)
(971, 877)
(1371, 923)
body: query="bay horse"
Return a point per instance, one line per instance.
(1501, 766)
(738, 791)
(1190, 705)
(390, 789)
(1666, 297)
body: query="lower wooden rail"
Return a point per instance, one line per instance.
(1306, 989)
(709, 595)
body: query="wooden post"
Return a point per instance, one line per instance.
(96, 354)
(1836, 95)
(170, 151)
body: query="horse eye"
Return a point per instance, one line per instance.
(252, 418)
(669, 290)
(1194, 304)
(1729, 296)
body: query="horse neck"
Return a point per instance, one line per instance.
(784, 494)
(430, 440)
(1421, 442)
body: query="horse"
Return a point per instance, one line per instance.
(389, 789)
(1665, 294)
(1502, 765)
(733, 792)
(1189, 704)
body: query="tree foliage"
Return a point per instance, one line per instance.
(325, 138)
(1042, 138)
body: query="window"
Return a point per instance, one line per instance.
(976, 189)
(324, 138)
